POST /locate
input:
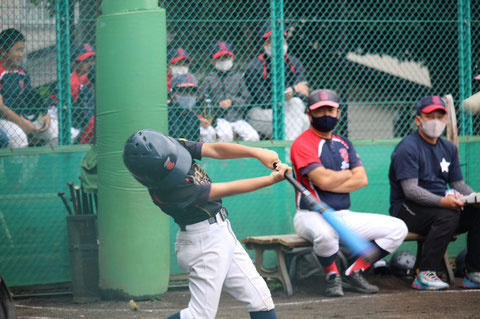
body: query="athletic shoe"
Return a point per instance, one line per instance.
(334, 286)
(428, 280)
(471, 280)
(356, 282)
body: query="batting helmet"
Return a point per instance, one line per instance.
(156, 160)
(402, 263)
(460, 263)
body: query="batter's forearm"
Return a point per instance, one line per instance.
(220, 190)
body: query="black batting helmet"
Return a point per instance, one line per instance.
(402, 263)
(156, 160)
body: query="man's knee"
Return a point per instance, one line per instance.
(326, 245)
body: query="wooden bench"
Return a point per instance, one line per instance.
(281, 244)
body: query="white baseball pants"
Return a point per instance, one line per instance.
(214, 259)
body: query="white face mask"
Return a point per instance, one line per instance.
(224, 66)
(179, 70)
(432, 128)
(268, 49)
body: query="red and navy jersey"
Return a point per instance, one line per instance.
(189, 203)
(12, 84)
(309, 151)
(434, 165)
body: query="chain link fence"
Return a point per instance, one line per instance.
(224, 61)
(228, 80)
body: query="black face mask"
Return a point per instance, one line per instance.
(324, 123)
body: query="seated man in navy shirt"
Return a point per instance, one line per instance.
(330, 168)
(422, 166)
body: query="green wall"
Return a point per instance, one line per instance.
(33, 239)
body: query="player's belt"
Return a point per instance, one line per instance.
(222, 213)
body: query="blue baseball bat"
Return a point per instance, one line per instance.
(357, 244)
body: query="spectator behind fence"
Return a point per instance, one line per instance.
(259, 81)
(328, 165)
(86, 109)
(82, 57)
(423, 166)
(224, 90)
(184, 112)
(178, 64)
(19, 120)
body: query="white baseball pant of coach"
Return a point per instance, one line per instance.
(214, 259)
(388, 232)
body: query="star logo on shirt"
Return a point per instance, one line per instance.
(444, 164)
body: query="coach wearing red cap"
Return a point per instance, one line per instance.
(423, 166)
(328, 165)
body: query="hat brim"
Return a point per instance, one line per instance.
(323, 103)
(266, 35)
(179, 58)
(223, 52)
(187, 85)
(85, 56)
(477, 77)
(433, 107)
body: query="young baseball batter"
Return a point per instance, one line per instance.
(206, 247)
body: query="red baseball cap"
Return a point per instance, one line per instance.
(319, 98)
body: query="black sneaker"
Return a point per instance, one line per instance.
(356, 282)
(334, 286)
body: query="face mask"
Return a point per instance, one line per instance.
(224, 66)
(432, 128)
(268, 49)
(324, 123)
(185, 101)
(179, 70)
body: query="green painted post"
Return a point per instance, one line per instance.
(131, 95)
(62, 25)
(278, 69)
(465, 63)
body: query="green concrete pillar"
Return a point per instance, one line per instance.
(131, 95)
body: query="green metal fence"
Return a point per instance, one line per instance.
(380, 56)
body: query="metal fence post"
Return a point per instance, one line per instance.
(63, 72)
(278, 69)
(465, 63)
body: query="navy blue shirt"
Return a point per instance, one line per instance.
(434, 165)
(310, 151)
(12, 84)
(259, 81)
(189, 203)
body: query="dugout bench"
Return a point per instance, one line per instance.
(282, 244)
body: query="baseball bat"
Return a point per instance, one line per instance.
(73, 199)
(64, 200)
(79, 199)
(357, 244)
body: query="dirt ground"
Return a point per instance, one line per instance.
(395, 300)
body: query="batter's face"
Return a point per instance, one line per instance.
(13, 57)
